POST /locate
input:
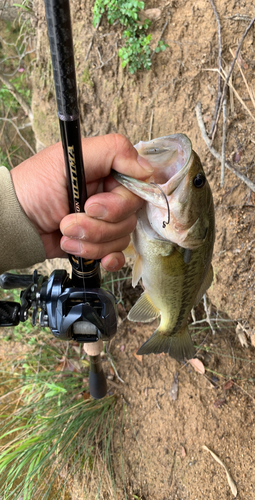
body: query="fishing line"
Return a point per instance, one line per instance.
(164, 223)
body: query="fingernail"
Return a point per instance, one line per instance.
(145, 164)
(96, 210)
(74, 231)
(71, 246)
(111, 263)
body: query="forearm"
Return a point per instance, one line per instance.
(20, 243)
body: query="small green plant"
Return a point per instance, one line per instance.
(136, 52)
(161, 46)
(27, 6)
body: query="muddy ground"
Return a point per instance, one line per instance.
(164, 457)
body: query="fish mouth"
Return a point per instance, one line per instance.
(169, 156)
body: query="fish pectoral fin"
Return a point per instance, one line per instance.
(137, 267)
(130, 251)
(205, 285)
(178, 346)
(137, 270)
(144, 310)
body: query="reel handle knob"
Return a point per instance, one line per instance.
(97, 380)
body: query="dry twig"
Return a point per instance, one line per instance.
(91, 42)
(237, 17)
(237, 95)
(102, 63)
(229, 75)
(151, 123)
(215, 153)
(224, 134)
(17, 96)
(18, 132)
(249, 89)
(219, 63)
(113, 365)
(229, 478)
(207, 312)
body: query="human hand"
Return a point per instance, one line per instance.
(103, 231)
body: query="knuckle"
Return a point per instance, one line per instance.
(122, 144)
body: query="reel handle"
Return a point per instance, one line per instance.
(8, 281)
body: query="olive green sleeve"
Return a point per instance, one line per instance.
(20, 243)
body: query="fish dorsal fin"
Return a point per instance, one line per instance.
(205, 285)
(137, 270)
(144, 310)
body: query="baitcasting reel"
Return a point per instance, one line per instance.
(72, 313)
(86, 315)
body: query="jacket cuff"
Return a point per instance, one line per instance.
(20, 243)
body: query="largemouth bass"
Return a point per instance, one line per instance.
(173, 242)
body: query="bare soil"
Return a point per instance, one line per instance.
(163, 454)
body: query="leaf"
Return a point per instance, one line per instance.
(241, 336)
(197, 365)
(174, 388)
(229, 478)
(138, 356)
(252, 337)
(86, 395)
(219, 402)
(183, 452)
(72, 365)
(228, 385)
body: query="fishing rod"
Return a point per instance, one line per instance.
(74, 308)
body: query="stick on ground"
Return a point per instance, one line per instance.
(219, 65)
(215, 153)
(229, 75)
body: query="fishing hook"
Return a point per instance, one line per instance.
(164, 223)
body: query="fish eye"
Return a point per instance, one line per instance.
(199, 181)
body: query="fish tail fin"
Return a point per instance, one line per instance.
(178, 346)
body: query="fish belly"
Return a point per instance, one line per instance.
(171, 285)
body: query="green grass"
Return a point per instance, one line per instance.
(49, 432)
